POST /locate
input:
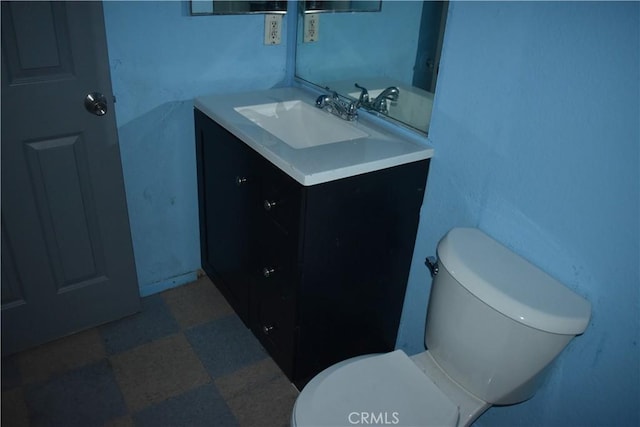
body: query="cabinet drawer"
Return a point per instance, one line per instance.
(274, 325)
(276, 256)
(280, 198)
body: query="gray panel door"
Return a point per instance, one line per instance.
(67, 257)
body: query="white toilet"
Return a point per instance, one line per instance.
(494, 325)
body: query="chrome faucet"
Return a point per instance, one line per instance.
(332, 103)
(389, 94)
(380, 103)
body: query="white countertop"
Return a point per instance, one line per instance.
(319, 164)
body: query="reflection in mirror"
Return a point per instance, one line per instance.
(315, 6)
(399, 46)
(225, 7)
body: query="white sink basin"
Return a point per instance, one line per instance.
(299, 124)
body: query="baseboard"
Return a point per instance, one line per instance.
(172, 282)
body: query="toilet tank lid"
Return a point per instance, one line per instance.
(510, 284)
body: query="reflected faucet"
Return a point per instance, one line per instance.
(380, 103)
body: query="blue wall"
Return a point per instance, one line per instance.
(536, 126)
(161, 58)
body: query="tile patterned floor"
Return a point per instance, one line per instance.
(185, 360)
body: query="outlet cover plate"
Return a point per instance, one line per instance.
(272, 28)
(311, 27)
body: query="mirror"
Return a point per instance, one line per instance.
(398, 46)
(225, 7)
(317, 6)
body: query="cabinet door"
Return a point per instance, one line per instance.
(359, 234)
(227, 191)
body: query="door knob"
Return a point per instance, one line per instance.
(96, 103)
(269, 204)
(431, 63)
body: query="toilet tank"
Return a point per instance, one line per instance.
(496, 322)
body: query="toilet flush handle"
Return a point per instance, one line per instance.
(432, 265)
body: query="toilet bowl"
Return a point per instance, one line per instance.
(495, 324)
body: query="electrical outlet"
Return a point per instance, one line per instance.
(272, 28)
(311, 27)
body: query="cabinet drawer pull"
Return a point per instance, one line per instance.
(269, 204)
(267, 329)
(241, 180)
(268, 271)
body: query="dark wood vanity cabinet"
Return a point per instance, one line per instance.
(318, 273)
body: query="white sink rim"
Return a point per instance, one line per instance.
(299, 124)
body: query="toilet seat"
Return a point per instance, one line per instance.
(379, 389)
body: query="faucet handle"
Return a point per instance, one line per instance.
(321, 101)
(364, 94)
